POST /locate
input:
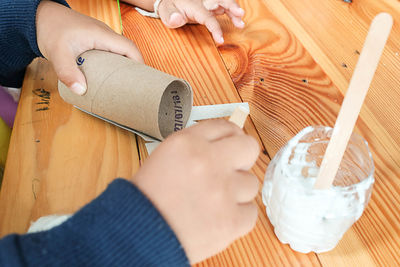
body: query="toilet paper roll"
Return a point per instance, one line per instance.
(132, 94)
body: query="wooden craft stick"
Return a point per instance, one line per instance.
(360, 81)
(239, 116)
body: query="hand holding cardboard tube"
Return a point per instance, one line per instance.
(131, 94)
(63, 34)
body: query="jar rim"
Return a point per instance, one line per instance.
(293, 142)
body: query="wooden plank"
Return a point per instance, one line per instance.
(104, 10)
(291, 73)
(286, 89)
(351, 24)
(190, 53)
(379, 229)
(59, 157)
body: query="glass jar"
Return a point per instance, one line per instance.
(315, 220)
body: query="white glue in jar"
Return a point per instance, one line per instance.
(315, 220)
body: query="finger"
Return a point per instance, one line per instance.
(243, 186)
(116, 43)
(238, 151)
(214, 130)
(245, 219)
(210, 4)
(64, 63)
(237, 21)
(206, 18)
(232, 6)
(170, 15)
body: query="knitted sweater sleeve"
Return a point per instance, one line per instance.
(18, 44)
(119, 228)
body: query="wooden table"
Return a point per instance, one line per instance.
(292, 63)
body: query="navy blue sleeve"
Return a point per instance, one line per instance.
(18, 44)
(119, 228)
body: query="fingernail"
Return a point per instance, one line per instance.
(241, 24)
(78, 89)
(174, 15)
(176, 19)
(210, 5)
(241, 10)
(221, 40)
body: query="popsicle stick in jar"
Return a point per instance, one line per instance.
(360, 81)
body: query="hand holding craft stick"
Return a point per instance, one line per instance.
(206, 166)
(358, 88)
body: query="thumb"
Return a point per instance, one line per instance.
(68, 72)
(170, 15)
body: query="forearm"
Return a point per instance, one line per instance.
(18, 43)
(144, 4)
(121, 227)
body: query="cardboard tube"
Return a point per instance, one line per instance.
(132, 94)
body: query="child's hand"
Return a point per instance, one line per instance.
(176, 13)
(63, 34)
(198, 179)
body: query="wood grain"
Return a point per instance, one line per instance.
(59, 157)
(285, 87)
(351, 23)
(190, 53)
(104, 10)
(287, 62)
